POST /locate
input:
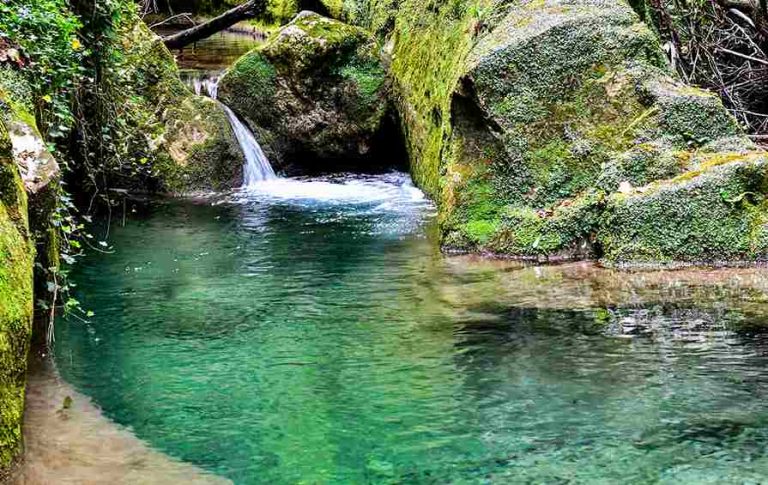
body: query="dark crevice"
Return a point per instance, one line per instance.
(386, 152)
(314, 6)
(466, 109)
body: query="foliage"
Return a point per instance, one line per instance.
(47, 33)
(71, 57)
(107, 143)
(198, 7)
(718, 46)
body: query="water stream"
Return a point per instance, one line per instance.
(310, 331)
(257, 167)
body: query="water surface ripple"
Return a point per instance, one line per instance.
(310, 332)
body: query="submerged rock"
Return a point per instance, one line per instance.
(533, 124)
(315, 93)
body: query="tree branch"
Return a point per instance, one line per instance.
(248, 10)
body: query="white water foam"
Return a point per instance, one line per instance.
(394, 189)
(257, 167)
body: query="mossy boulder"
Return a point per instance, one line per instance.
(314, 93)
(189, 142)
(527, 121)
(573, 100)
(716, 213)
(202, 150)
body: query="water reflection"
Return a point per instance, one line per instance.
(218, 51)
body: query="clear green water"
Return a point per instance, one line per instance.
(276, 338)
(216, 52)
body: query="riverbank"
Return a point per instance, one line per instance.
(67, 439)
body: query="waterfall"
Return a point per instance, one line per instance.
(257, 167)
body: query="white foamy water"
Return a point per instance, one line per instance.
(394, 190)
(257, 167)
(389, 204)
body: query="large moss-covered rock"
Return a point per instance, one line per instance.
(315, 92)
(574, 102)
(202, 150)
(190, 143)
(526, 122)
(16, 300)
(29, 246)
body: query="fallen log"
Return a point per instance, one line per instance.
(247, 10)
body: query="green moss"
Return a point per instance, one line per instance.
(15, 301)
(368, 79)
(334, 33)
(643, 164)
(431, 43)
(694, 117)
(143, 106)
(16, 94)
(250, 86)
(304, 47)
(712, 216)
(258, 69)
(479, 232)
(476, 215)
(563, 232)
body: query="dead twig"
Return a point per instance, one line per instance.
(185, 16)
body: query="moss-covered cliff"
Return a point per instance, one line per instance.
(534, 124)
(15, 302)
(16, 281)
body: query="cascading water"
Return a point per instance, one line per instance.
(257, 167)
(345, 189)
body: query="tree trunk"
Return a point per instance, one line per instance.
(248, 10)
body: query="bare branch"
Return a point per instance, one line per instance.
(185, 16)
